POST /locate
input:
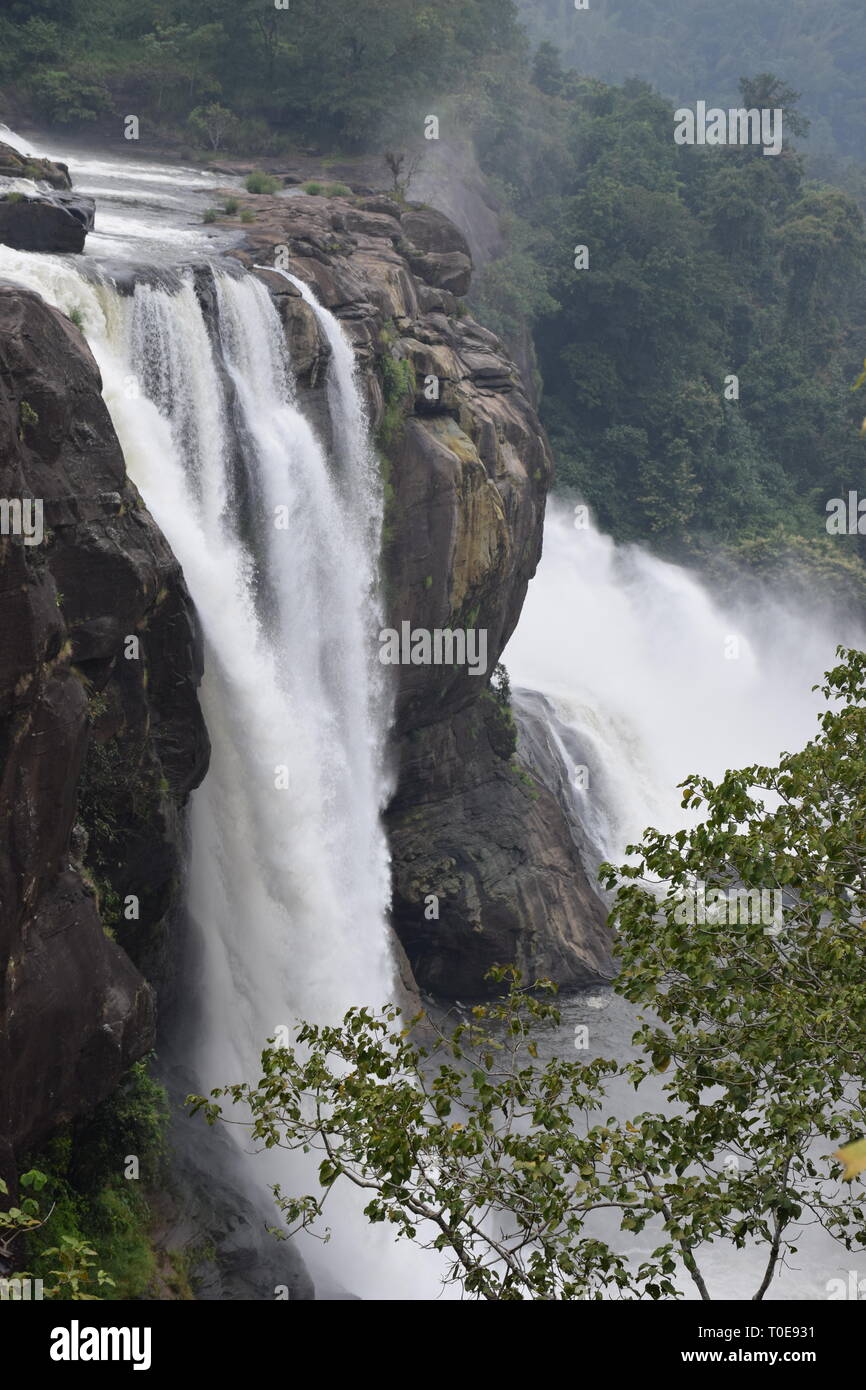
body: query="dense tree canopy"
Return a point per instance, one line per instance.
(694, 48)
(320, 67)
(705, 264)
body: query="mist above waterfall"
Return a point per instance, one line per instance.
(648, 676)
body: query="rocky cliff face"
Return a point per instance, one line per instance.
(486, 869)
(100, 732)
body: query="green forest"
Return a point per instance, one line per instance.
(691, 48)
(705, 265)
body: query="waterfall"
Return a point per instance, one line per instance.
(288, 874)
(19, 143)
(640, 676)
(622, 665)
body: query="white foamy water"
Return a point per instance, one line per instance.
(146, 212)
(651, 678)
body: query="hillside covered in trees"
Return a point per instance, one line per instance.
(705, 264)
(693, 48)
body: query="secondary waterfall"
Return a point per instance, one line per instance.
(641, 676)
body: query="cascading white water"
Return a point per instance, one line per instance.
(289, 672)
(146, 213)
(288, 874)
(650, 679)
(305, 865)
(18, 142)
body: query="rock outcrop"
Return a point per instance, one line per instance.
(101, 734)
(41, 219)
(476, 837)
(100, 730)
(54, 222)
(30, 166)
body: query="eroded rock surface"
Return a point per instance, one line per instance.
(30, 166)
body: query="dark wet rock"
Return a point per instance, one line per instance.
(98, 752)
(432, 231)
(449, 270)
(381, 203)
(208, 1214)
(474, 828)
(54, 222)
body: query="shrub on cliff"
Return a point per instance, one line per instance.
(73, 1273)
(398, 387)
(89, 1200)
(259, 182)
